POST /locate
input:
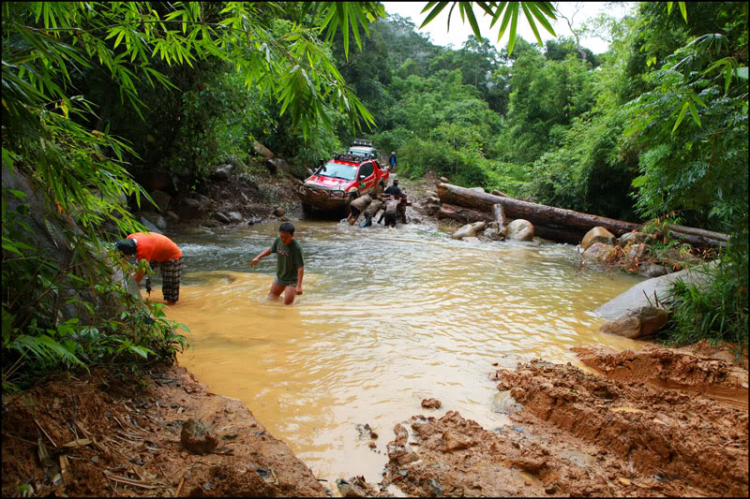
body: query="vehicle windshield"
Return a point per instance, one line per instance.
(337, 170)
(364, 151)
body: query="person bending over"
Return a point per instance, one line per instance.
(159, 251)
(358, 206)
(290, 265)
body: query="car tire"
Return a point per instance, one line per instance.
(379, 189)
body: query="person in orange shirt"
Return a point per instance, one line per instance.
(160, 251)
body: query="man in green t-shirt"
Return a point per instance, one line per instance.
(290, 265)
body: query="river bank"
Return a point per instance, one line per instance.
(139, 428)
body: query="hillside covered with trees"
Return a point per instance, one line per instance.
(653, 129)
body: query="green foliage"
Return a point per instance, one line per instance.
(61, 306)
(717, 313)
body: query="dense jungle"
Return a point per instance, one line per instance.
(119, 113)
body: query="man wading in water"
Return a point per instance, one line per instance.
(290, 265)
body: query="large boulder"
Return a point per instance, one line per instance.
(520, 230)
(635, 253)
(222, 218)
(635, 237)
(469, 230)
(235, 216)
(597, 235)
(636, 323)
(600, 253)
(647, 292)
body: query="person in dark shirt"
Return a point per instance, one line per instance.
(395, 191)
(290, 265)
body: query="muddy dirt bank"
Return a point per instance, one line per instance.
(574, 433)
(99, 436)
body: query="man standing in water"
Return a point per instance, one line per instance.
(290, 265)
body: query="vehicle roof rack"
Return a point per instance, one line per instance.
(362, 142)
(354, 158)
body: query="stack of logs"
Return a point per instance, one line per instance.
(556, 224)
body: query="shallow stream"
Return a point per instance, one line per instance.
(388, 317)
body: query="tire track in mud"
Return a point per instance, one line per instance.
(582, 434)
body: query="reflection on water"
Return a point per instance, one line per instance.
(388, 317)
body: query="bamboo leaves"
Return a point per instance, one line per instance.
(535, 12)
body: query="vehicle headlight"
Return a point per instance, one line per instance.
(338, 194)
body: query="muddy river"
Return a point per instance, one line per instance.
(388, 318)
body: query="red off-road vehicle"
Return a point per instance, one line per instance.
(344, 178)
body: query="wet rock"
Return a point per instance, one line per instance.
(234, 216)
(222, 218)
(636, 323)
(198, 438)
(469, 230)
(172, 216)
(520, 230)
(471, 240)
(631, 237)
(444, 180)
(278, 212)
(254, 221)
(149, 225)
(597, 235)
(599, 253)
(431, 404)
(652, 270)
(635, 253)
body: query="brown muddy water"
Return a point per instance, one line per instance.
(388, 317)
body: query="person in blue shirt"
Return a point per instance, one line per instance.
(392, 161)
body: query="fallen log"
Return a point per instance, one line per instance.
(557, 234)
(708, 234)
(540, 214)
(463, 215)
(467, 215)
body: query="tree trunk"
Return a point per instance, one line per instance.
(708, 234)
(497, 212)
(557, 234)
(463, 215)
(540, 214)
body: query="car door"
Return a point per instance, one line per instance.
(368, 172)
